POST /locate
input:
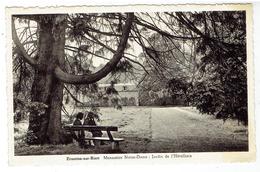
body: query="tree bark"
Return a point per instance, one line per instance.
(41, 86)
(54, 131)
(47, 89)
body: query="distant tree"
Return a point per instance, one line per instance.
(171, 68)
(221, 88)
(217, 39)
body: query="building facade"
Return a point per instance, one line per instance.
(127, 94)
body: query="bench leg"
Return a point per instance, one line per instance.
(96, 143)
(115, 145)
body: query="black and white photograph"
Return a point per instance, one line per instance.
(131, 82)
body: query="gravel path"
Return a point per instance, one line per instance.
(178, 130)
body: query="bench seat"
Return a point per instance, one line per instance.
(104, 139)
(114, 142)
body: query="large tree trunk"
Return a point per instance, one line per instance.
(54, 131)
(49, 76)
(47, 89)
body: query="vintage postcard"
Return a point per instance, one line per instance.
(136, 83)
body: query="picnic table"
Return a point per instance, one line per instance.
(114, 141)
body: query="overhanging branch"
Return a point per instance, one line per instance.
(92, 78)
(72, 96)
(17, 42)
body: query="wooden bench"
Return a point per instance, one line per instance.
(89, 128)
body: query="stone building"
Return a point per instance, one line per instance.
(126, 88)
(127, 94)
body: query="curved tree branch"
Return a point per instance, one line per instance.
(72, 96)
(17, 42)
(76, 49)
(92, 78)
(114, 51)
(139, 21)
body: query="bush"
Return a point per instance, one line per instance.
(223, 103)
